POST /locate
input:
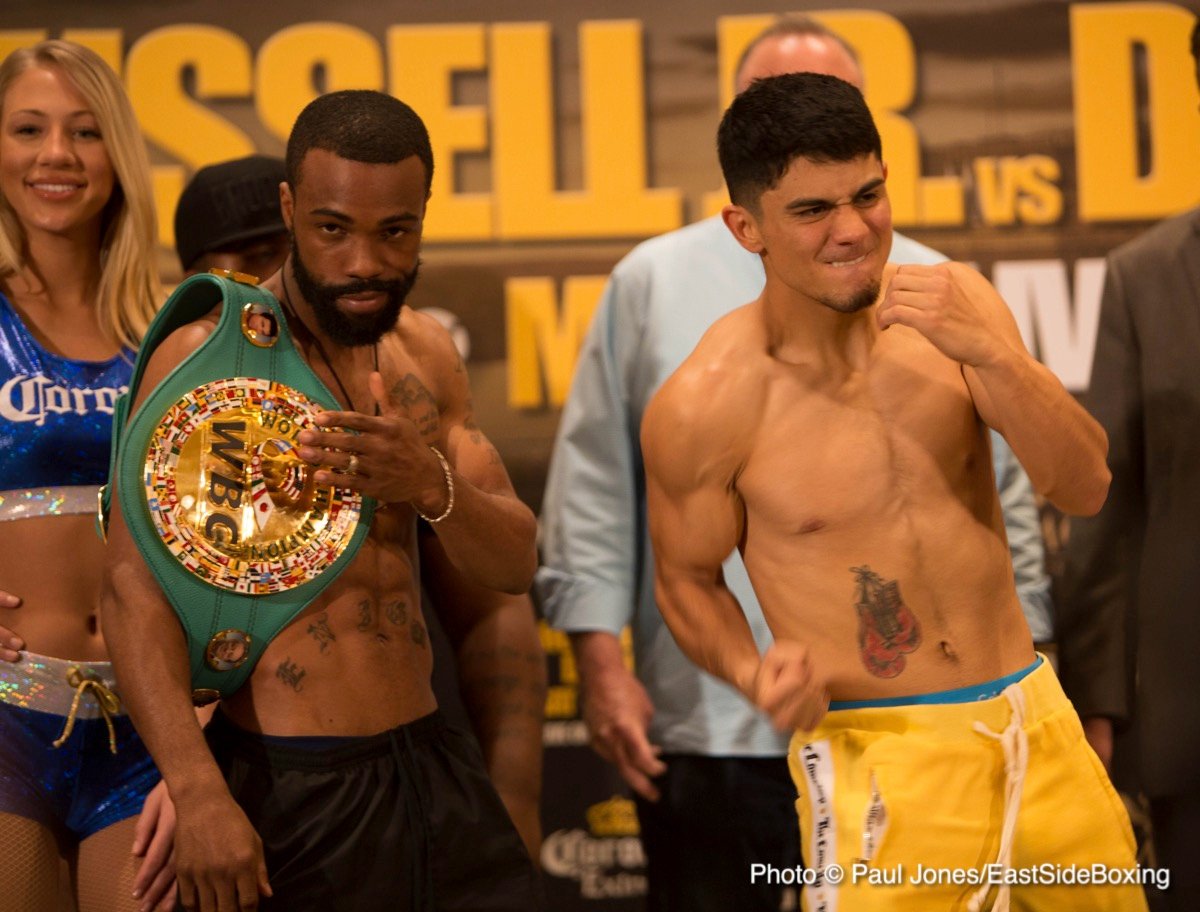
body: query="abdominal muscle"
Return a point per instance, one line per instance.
(355, 662)
(55, 565)
(936, 616)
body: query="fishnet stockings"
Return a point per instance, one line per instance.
(104, 869)
(31, 866)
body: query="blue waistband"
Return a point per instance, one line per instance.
(973, 694)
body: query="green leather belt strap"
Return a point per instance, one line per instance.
(234, 578)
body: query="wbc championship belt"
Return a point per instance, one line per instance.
(227, 516)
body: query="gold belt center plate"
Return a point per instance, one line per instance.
(230, 498)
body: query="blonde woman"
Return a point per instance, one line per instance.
(78, 285)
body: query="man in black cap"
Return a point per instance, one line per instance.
(228, 218)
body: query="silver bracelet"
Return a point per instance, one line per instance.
(449, 490)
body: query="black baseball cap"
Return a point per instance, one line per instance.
(227, 204)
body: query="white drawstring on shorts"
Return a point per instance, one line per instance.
(1015, 745)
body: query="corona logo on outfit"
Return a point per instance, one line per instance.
(32, 398)
(231, 499)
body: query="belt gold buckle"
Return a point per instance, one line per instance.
(244, 277)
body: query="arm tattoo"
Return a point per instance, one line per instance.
(469, 424)
(291, 674)
(472, 428)
(419, 402)
(320, 631)
(396, 612)
(366, 615)
(887, 629)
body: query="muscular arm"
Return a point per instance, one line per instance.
(218, 854)
(1060, 445)
(696, 520)
(502, 679)
(490, 534)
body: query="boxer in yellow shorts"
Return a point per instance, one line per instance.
(946, 802)
(834, 432)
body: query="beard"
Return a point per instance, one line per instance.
(352, 330)
(855, 301)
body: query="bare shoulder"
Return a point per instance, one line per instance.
(425, 337)
(174, 349)
(702, 417)
(422, 343)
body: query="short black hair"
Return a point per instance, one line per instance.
(782, 118)
(359, 125)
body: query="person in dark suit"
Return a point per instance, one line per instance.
(1129, 606)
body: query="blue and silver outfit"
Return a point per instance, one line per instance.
(55, 427)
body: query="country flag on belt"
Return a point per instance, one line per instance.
(260, 498)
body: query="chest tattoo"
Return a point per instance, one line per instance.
(291, 674)
(320, 631)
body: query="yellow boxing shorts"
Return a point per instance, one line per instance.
(985, 798)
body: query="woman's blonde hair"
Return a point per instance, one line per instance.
(129, 291)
